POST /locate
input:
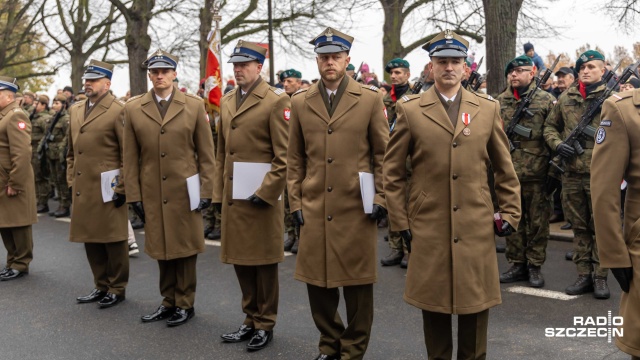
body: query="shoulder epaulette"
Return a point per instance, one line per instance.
(619, 96)
(233, 91)
(407, 98)
(194, 96)
(277, 91)
(119, 102)
(135, 97)
(78, 103)
(370, 87)
(300, 91)
(485, 96)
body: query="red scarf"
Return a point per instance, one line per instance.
(515, 94)
(583, 89)
(393, 93)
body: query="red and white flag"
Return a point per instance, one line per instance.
(213, 72)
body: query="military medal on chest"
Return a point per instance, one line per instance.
(466, 120)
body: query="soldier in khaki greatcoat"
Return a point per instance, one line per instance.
(17, 187)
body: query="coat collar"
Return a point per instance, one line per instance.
(468, 104)
(150, 108)
(8, 108)
(349, 99)
(434, 110)
(253, 98)
(99, 108)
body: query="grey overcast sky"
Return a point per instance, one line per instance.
(581, 21)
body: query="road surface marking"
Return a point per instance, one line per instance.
(549, 294)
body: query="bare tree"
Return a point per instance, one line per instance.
(625, 12)
(23, 54)
(72, 24)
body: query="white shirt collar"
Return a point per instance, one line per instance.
(329, 92)
(158, 98)
(451, 98)
(91, 104)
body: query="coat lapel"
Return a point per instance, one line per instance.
(230, 105)
(636, 100)
(348, 100)
(150, 108)
(253, 98)
(175, 107)
(469, 105)
(99, 109)
(315, 102)
(433, 109)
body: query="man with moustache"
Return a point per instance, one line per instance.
(167, 140)
(576, 185)
(565, 79)
(253, 129)
(446, 217)
(95, 146)
(526, 248)
(338, 128)
(17, 191)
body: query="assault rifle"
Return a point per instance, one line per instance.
(44, 143)
(480, 81)
(417, 87)
(523, 108)
(583, 126)
(355, 75)
(475, 76)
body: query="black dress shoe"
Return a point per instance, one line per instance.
(94, 296)
(244, 333)
(260, 340)
(137, 225)
(110, 300)
(43, 209)
(294, 248)
(62, 212)
(161, 313)
(327, 357)
(12, 274)
(180, 316)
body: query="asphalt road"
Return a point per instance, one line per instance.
(39, 318)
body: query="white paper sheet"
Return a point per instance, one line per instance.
(108, 183)
(247, 178)
(367, 190)
(193, 186)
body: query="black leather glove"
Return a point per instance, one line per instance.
(298, 220)
(624, 277)
(566, 150)
(204, 204)
(551, 184)
(138, 208)
(506, 229)
(407, 237)
(255, 200)
(119, 199)
(378, 212)
(218, 207)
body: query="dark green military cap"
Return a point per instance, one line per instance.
(351, 67)
(396, 63)
(290, 73)
(587, 56)
(522, 60)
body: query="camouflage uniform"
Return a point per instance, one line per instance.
(38, 129)
(531, 162)
(56, 156)
(576, 190)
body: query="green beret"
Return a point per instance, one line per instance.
(587, 56)
(522, 60)
(350, 67)
(396, 63)
(468, 62)
(290, 73)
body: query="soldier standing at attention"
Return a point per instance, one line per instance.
(38, 129)
(615, 156)
(27, 102)
(253, 128)
(95, 146)
(576, 185)
(399, 71)
(167, 140)
(338, 128)
(446, 216)
(17, 192)
(291, 82)
(55, 144)
(526, 248)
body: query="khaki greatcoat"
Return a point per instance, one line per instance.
(256, 132)
(615, 158)
(15, 169)
(454, 269)
(159, 155)
(95, 146)
(338, 241)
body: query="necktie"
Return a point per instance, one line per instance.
(332, 97)
(163, 104)
(449, 102)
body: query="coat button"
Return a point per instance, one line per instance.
(230, 177)
(78, 193)
(455, 144)
(329, 189)
(231, 153)
(162, 131)
(330, 160)
(164, 201)
(330, 131)
(80, 152)
(79, 173)
(233, 127)
(329, 218)
(230, 203)
(163, 154)
(455, 208)
(455, 239)
(455, 176)
(164, 178)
